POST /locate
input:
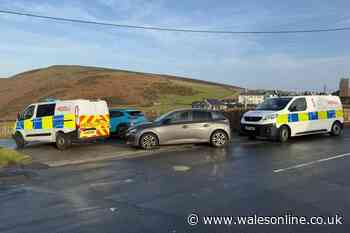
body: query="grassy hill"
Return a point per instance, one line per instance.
(120, 88)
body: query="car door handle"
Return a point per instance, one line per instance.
(185, 126)
(206, 125)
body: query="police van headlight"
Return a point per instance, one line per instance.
(270, 117)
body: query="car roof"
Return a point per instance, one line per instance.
(193, 109)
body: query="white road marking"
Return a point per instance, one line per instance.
(311, 163)
(112, 182)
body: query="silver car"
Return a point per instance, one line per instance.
(180, 127)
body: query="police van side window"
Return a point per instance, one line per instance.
(28, 113)
(46, 110)
(298, 105)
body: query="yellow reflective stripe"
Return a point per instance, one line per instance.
(69, 121)
(282, 119)
(47, 122)
(339, 113)
(28, 125)
(322, 115)
(304, 116)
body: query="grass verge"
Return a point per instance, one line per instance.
(10, 157)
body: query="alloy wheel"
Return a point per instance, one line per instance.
(219, 139)
(149, 141)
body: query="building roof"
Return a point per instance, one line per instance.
(214, 102)
(198, 102)
(252, 94)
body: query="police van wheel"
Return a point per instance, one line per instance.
(283, 134)
(337, 129)
(63, 141)
(20, 142)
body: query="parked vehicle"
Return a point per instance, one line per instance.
(122, 119)
(62, 122)
(182, 126)
(284, 117)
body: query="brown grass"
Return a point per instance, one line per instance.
(72, 82)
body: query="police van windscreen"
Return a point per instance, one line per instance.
(274, 104)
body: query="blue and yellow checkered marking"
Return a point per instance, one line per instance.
(331, 114)
(50, 122)
(309, 116)
(313, 116)
(20, 125)
(37, 124)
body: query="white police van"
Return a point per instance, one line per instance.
(62, 122)
(284, 117)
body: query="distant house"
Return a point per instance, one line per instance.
(199, 104)
(210, 104)
(215, 104)
(251, 98)
(230, 103)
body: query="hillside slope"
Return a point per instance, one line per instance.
(118, 87)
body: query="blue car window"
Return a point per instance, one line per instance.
(135, 113)
(114, 114)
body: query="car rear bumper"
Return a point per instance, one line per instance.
(266, 131)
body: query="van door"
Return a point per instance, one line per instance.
(43, 122)
(27, 119)
(298, 117)
(315, 115)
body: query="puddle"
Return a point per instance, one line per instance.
(7, 143)
(181, 168)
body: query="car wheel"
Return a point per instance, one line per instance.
(63, 141)
(219, 139)
(283, 134)
(149, 141)
(337, 129)
(20, 142)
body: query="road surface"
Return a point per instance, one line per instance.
(307, 176)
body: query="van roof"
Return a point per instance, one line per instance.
(306, 96)
(68, 101)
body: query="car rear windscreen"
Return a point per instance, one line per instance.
(135, 113)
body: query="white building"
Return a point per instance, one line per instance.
(251, 98)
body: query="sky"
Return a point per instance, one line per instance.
(290, 61)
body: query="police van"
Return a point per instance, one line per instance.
(62, 122)
(284, 117)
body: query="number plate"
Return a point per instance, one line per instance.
(250, 128)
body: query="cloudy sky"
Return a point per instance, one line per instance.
(291, 61)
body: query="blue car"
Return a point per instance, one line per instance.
(122, 119)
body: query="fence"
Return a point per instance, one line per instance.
(347, 114)
(6, 128)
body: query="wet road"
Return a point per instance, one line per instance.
(308, 176)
